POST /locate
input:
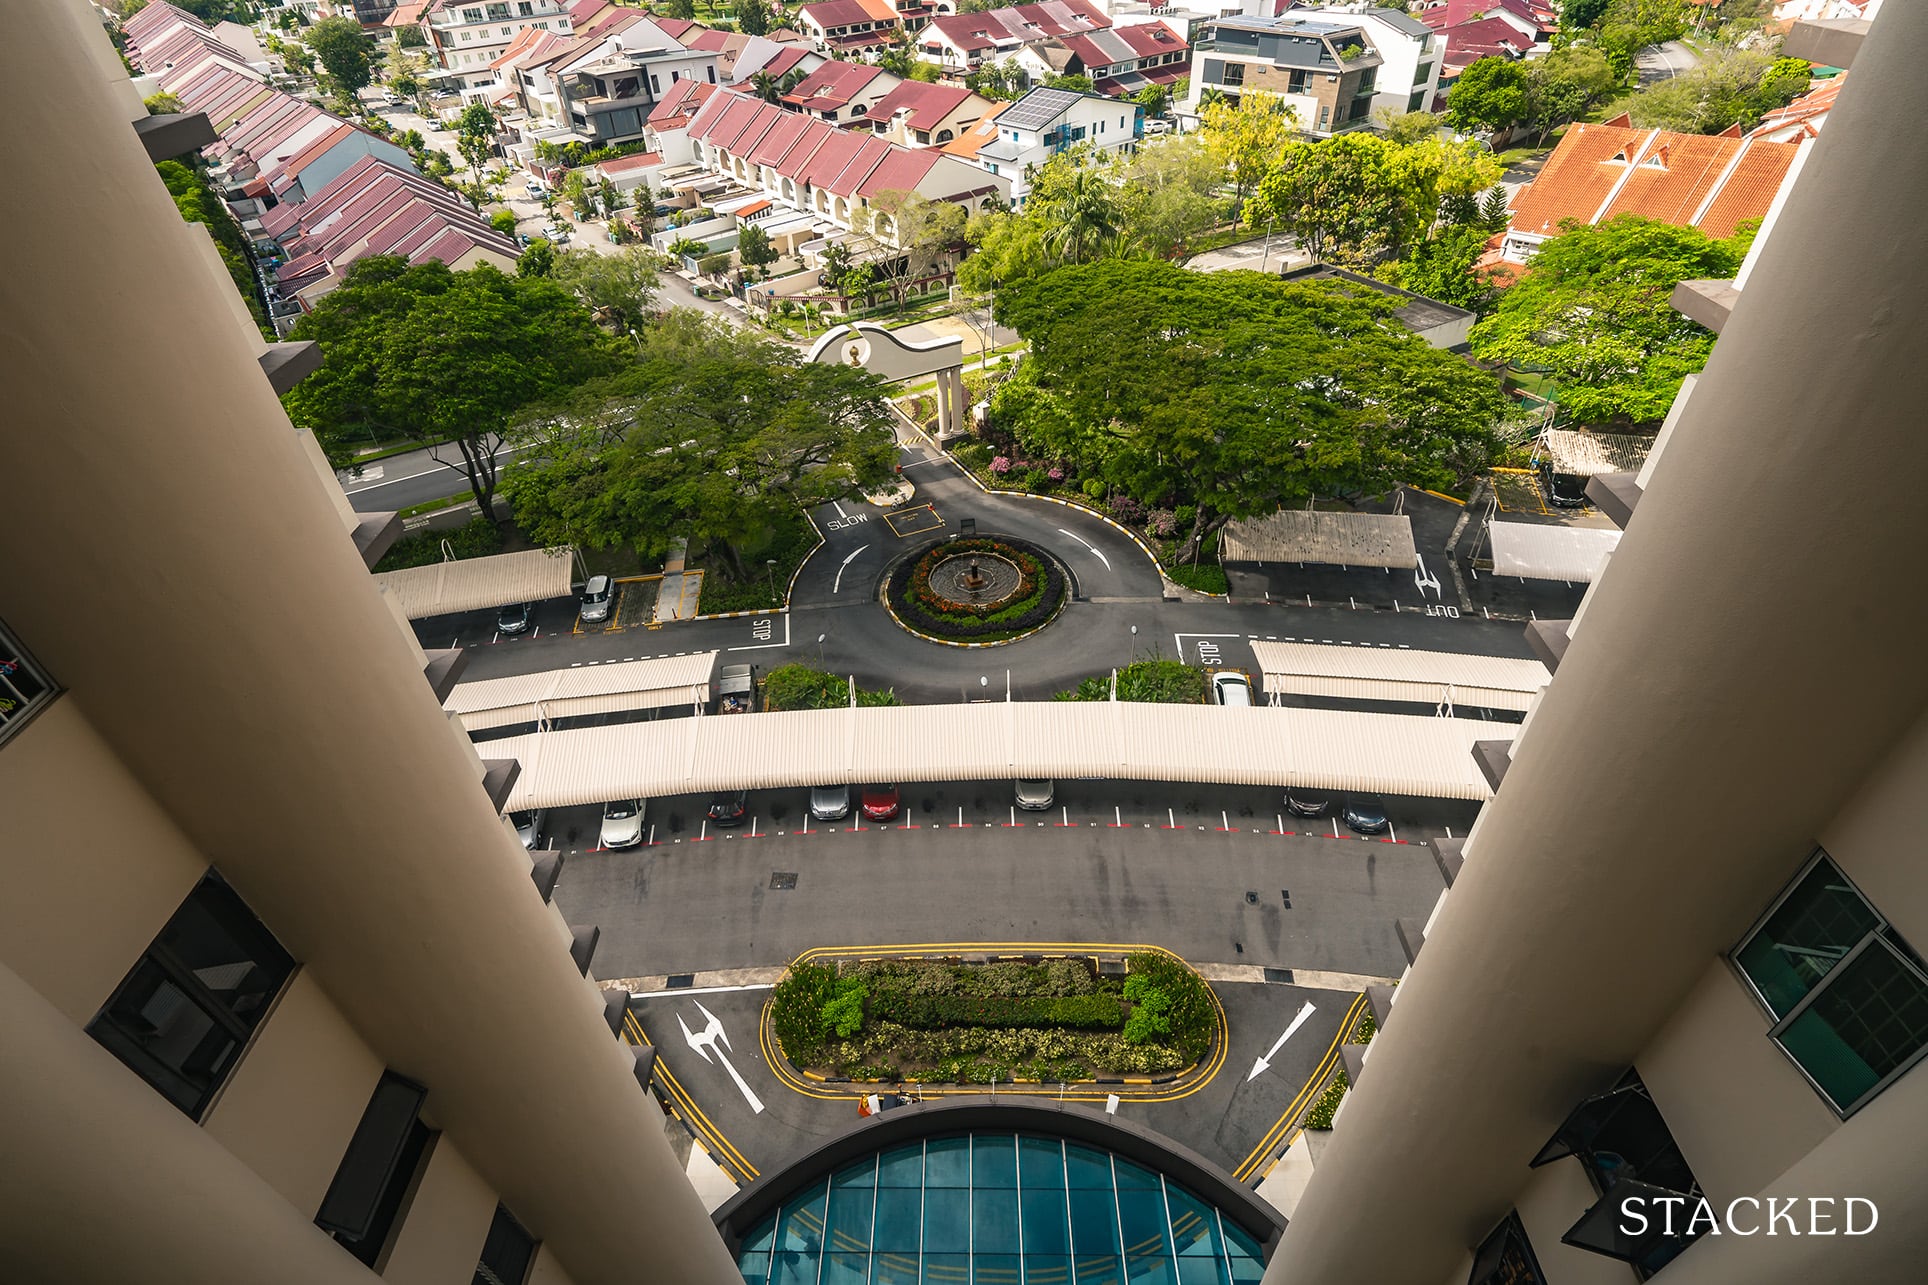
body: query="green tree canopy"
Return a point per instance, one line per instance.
(1593, 312)
(1442, 268)
(538, 260)
(618, 288)
(753, 246)
(1235, 392)
(447, 359)
(1489, 94)
(1728, 87)
(503, 221)
(710, 434)
(344, 50)
(1566, 84)
(1246, 133)
(753, 17)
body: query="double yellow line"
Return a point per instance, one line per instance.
(720, 1148)
(814, 1087)
(1261, 1153)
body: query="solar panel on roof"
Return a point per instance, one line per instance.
(1038, 108)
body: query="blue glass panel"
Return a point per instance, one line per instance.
(1045, 1230)
(1150, 1270)
(947, 1269)
(900, 1216)
(849, 1228)
(893, 1269)
(763, 1235)
(1142, 1226)
(794, 1269)
(1094, 1269)
(1047, 1269)
(1194, 1224)
(994, 1161)
(845, 1269)
(1085, 1167)
(1094, 1222)
(1248, 1263)
(1135, 1176)
(1202, 1271)
(947, 1220)
(994, 1221)
(901, 1166)
(755, 1267)
(947, 1162)
(1242, 1241)
(800, 1221)
(861, 1174)
(995, 1269)
(1040, 1163)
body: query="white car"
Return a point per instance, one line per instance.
(1230, 687)
(535, 188)
(622, 823)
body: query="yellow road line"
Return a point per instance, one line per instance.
(1299, 1101)
(720, 1146)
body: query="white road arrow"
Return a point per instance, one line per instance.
(1264, 1064)
(837, 587)
(706, 1044)
(1424, 578)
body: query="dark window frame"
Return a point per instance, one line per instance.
(14, 659)
(1882, 931)
(400, 1165)
(506, 1235)
(1493, 1245)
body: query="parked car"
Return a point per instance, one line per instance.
(622, 823)
(1365, 816)
(829, 802)
(514, 618)
(597, 597)
(1230, 687)
(1034, 796)
(528, 827)
(732, 807)
(880, 802)
(1563, 490)
(1301, 804)
(1158, 127)
(536, 189)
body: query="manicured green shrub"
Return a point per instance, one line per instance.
(796, 1010)
(477, 539)
(1320, 1116)
(1177, 1003)
(1077, 1012)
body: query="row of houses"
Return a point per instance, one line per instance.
(314, 193)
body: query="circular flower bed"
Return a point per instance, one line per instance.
(1039, 596)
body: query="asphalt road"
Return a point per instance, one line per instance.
(1664, 61)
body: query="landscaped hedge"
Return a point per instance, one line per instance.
(478, 538)
(1076, 1012)
(1040, 594)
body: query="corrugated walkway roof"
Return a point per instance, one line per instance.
(1341, 539)
(471, 584)
(1588, 454)
(1571, 553)
(591, 689)
(1399, 674)
(1261, 745)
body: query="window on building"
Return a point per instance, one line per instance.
(712, 71)
(1298, 82)
(508, 31)
(497, 12)
(1848, 995)
(1423, 74)
(1234, 74)
(181, 1017)
(525, 8)
(467, 34)
(471, 15)
(24, 689)
(377, 1174)
(507, 1252)
(1505, 1257)
(1417, 103)
(1325, 116)
(656, 86)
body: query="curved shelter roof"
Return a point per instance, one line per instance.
(472, 584)
(1534, 551)
(1399, 674)
(1261, 745)
(588, 689)
(1342, 539)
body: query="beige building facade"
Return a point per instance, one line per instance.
(281, 1000)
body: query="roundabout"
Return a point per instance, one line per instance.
(976, 591)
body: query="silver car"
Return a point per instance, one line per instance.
(596, 599)
(1034, 796)
(622, 823)
(829, 802)
(528, 827)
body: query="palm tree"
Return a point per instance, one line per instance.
(1087, 220)
(1209, 97)
(765, 86)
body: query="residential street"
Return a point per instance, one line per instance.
(1665, 61)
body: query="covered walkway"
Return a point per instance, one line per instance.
(1536, 551)
(595, 689)
(473, 584)
(1339, 539)
(1399, 674)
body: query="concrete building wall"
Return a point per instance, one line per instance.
(448, 1217)
(1549, 1203)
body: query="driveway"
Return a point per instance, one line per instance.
(1664, 61)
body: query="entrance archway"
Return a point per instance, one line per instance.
(875, 349)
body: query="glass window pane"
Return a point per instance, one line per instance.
(900, 1216)
(893, 1269)
(1046, 1269)
(1820, 922)
(1194, 1225)
(1094, 1223)
(800, 1222)
(902, 1167)
(1248, 1263)
(850, 1219)
(861, 1174)
(755, 1268)
(164, 1036)
(763, 1235)
(794, 1268)
(1141, 1270)
(217, 938)
(845, 1269)
(1040, 1163)
(947, 1220)
(947, 1163)
(1871, 1019)
(994, 1161)
(995, 1269)
(1141, 1217)
(947, 1269)
(1098, 1269)
(1202, 1271)
(1084, 1167)
(1135, 1176)
(1045, 1229)
(994, 1221)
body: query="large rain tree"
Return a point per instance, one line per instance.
(1235, 392)
(1593, 312)
(712, 434)
(444, 359)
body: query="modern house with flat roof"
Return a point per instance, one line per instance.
(1046, 122)
(1325, 70)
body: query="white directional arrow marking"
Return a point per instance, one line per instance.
(1425, 579)
(1264, 1064)
(706, 1044)
(837, 585)
(1089, 545)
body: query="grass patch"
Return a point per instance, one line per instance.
(787, 542)
(436, 506)
(389, 450)
(802, 687)
(478, 539)
(1157, 682)
(1206, 575)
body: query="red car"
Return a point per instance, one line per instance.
(880, 802)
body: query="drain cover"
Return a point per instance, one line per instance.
(783, 880)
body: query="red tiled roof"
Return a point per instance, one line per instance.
(1024, 22)
(829, 160)
(681, 101)
(847, 13)
(1487, 33)
(832, 85)
(984, 131)
(631, 163)
(740, 110)
(850, 180)
(785, 60)
(926, 104)
(675, 28)
(899, 171)
(776, 144)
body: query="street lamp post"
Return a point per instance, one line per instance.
(1134, 645)
(820, 638)
(771, 565)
